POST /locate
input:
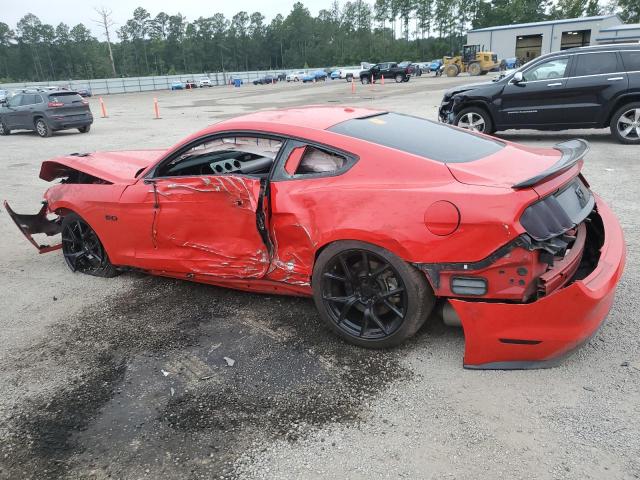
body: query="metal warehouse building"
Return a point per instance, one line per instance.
(527, 41)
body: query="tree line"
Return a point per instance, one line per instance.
(342, 34)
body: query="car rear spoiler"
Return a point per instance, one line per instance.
(572, 152)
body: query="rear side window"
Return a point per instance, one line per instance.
(316, 160)
(631, 61)
(421, 137)
(28, 99)
(596, 63)
(65, 97)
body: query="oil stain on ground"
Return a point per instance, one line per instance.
(178, 379)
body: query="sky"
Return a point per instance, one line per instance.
(82, 11)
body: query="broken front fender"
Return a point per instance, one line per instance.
(38, 223)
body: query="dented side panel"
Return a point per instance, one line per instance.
(198, 225)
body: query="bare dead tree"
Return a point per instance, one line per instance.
(106, 23)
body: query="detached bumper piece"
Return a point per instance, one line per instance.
(39, 223)
(540, 333)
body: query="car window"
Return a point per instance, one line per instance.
(316, 160)
(631, 61)
(596, 63)
(547, 70)
(65, 97)
(224, 156)
(419, 136)
(28, 99)
(15, 100)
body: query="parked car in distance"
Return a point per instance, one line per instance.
(233, 80)
(296, 76)
(509, 63)
(315, 76)
(4, 96)
(177, 86)
(335, 74)
(509, 240)
(417, 69)
(281, 76)
(588, 87)
(389, 70)
(349, 73)
(189, 84)
(84, 91)
(266, 80)
(45, 113)
(411, 67)
(435, 65)
(204, 82)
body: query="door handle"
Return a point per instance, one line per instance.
(557, 84)
(613, 79)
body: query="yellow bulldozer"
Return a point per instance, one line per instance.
(473, 60)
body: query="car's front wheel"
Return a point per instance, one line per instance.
(42, 128)
(365, 80)
(474, 119)
(625, 124)
(369, 296)
(82, 249)
(85, 129)
(4, 130)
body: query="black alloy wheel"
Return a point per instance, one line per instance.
(83, 252)
(369, 296)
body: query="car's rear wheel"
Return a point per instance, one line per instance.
(625, 124)
(369, 296)
(85, 129)
(349, 77)
(399, 78)
(4, 130)
(474, 119)
(82, 249)
(42, 128)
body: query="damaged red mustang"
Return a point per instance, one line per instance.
(381, 217)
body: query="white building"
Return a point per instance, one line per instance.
(527, 41)
(620, 34)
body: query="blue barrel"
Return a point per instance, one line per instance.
(237, 82)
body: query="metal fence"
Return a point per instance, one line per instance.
(106, 86)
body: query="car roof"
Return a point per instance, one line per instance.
(606, 47)
(315, 116)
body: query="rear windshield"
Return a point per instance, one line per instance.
(65, 97)
(418, 136)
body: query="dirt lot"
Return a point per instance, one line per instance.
(126, 377)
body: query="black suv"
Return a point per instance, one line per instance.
(45, 112)
(588, 87)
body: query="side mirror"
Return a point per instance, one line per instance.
(517, 77)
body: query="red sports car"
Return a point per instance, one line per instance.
(381, 217)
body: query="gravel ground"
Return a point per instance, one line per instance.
(139, 377)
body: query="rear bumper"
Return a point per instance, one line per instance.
(62, 124)
(539, 334)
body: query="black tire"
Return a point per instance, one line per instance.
(349, 77)
(369, 296)
(630, 112)
(85, 129)
(399, 78)
(407, 78)
(4, 130)
(462, 120)
(365, 80)
(42, 128)
(82, 249)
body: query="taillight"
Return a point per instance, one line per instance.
(55, 104)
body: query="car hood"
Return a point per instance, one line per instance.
(506, 168)
(463, 88)
(114, 167)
